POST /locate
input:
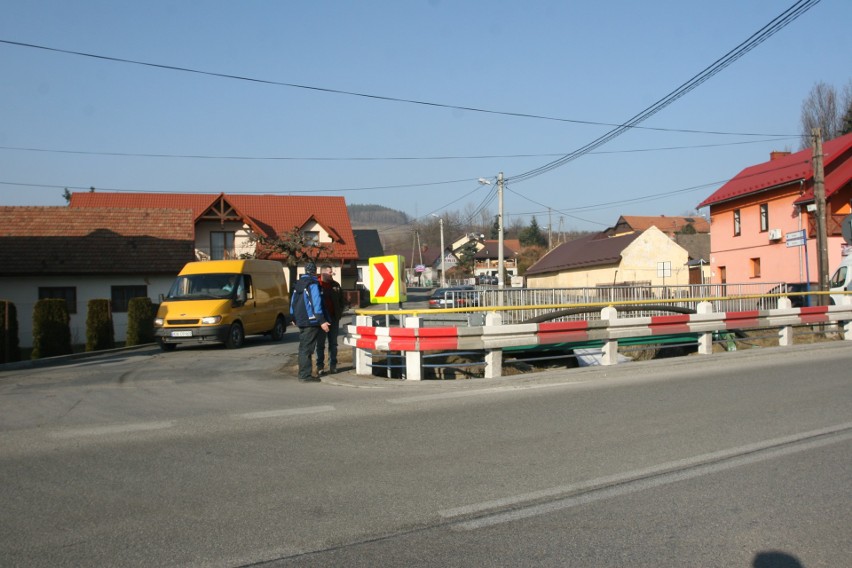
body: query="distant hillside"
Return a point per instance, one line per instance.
(373, 216)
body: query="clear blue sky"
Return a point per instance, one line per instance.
(600, 62)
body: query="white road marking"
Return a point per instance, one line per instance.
(284, 412)
(639, 480)
(113, 429)
(477, 392)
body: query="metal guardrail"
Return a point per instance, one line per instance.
(585, 322)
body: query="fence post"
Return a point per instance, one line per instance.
(610, 347)
(362, 359)
(705, 340)
(413, 359)
(785, 332)
(493, 357)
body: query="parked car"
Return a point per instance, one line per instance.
(453, 297)
(797, 300)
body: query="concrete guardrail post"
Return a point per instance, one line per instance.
(847, 325)
(413, 359)
(493, 357)
(705, 340)
(362, 358)
(610, 347)
(785, 332)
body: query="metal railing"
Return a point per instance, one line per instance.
(535, 303)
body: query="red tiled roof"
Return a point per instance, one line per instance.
(62, 240)
(591, 250)
(270, 214)
(785, 170)
(666, 223)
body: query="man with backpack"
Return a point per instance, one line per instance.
(309, 315)
(332, 296)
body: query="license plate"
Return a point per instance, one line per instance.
(187, 333)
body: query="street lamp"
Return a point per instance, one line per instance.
(500, 267)
(443, 253)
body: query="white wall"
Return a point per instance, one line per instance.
(23, 292)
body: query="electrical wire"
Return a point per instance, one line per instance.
(365, 95)
(375, 159)
(767, 31)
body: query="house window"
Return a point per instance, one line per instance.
(737, 227)
(723, 274)
(221, 245)
(311, 238)
(764, 217)
(67, 293)
(121, 296)
(755, 267)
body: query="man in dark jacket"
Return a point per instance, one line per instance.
(308, 313)
(332, 296)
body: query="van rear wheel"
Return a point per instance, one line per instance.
(236, 336)
(279, 329)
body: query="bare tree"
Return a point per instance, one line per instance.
(825, 109)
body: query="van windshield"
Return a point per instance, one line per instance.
(839, 278)
(206, 287)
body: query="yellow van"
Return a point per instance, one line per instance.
(222, 301)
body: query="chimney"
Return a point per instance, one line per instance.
(777, 154)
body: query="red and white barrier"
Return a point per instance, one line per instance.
(414, 340)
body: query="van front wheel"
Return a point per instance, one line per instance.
(236, 336)
(166, 346)
(279, 329)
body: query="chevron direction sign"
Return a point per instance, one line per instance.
(387, 281)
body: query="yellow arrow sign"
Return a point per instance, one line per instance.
(387, 282)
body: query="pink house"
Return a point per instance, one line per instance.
(752, 216)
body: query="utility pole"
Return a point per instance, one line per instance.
(549, 229)
(500, 266)
(819, 198)
(443, 255)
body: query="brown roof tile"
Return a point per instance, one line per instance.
(271, 214)
(666, 223)
(63, 240)
(592, 250)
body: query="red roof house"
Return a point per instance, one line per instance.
(223, 223)
(752, 214)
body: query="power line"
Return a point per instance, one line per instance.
(372, 158)
(778, 23)
(365, 95)
(288, 192)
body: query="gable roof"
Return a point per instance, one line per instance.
(491, 249)
(665, 223)
(792, 168)
(589, 251)
(62, 240)
(369, 243)
(271, 215)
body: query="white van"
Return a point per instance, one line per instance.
(842, 281)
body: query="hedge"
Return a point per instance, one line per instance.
(9, 339)
(100, 333)
(140, 321)
(51, 328)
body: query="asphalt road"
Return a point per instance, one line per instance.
(210, 457)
